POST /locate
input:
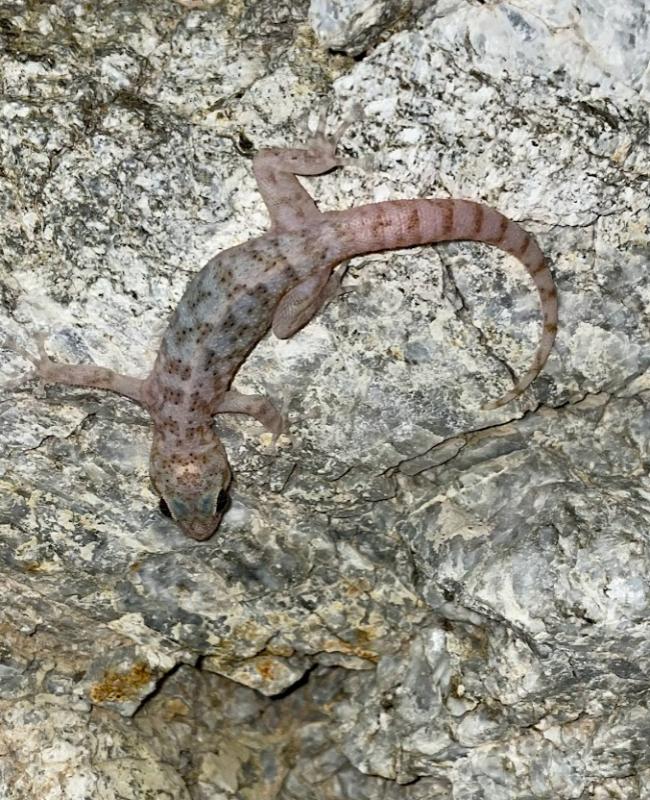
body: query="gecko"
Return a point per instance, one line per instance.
(277, 281)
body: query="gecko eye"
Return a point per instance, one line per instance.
(164, 508)
(223, 501)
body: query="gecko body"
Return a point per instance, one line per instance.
(280, 281)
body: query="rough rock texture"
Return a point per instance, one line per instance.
(351, 26)
(413, 598)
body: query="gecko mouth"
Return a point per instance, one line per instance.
(201, 529)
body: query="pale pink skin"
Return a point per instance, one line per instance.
(280, 281)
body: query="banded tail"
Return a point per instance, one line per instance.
(404, 223)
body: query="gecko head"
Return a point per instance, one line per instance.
(192, 481)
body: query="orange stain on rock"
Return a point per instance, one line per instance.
(120, 686)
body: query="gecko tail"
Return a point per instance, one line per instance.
(539, 360)
(515, 392)
(524, 382)
(406, 223)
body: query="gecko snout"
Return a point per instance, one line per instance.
(198, 518)
(192, 484)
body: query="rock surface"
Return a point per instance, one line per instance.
(352, 26)
(413, 598)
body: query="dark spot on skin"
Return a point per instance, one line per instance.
(413, 220)
(551, 327)
(447, 214)
(521, 250)
(503, 226)
(477, 220)
(378, 223)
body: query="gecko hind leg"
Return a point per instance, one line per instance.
(305, 300)
(289, 204)
(87, 375)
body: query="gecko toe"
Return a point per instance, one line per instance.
(322, 144)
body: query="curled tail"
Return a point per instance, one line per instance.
(405, 223)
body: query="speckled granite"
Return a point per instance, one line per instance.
(412, 598)
(352, 26)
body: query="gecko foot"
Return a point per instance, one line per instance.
(85, 375)
(278, 437)
(322, 145)
(253, 405)
(40, 362)
(283, 419)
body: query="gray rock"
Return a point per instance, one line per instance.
(411, 598)
(351, 26)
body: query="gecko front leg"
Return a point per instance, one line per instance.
(87, 375)
(253, 405)
(305, 300)
(291, 208)
(289, 204)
